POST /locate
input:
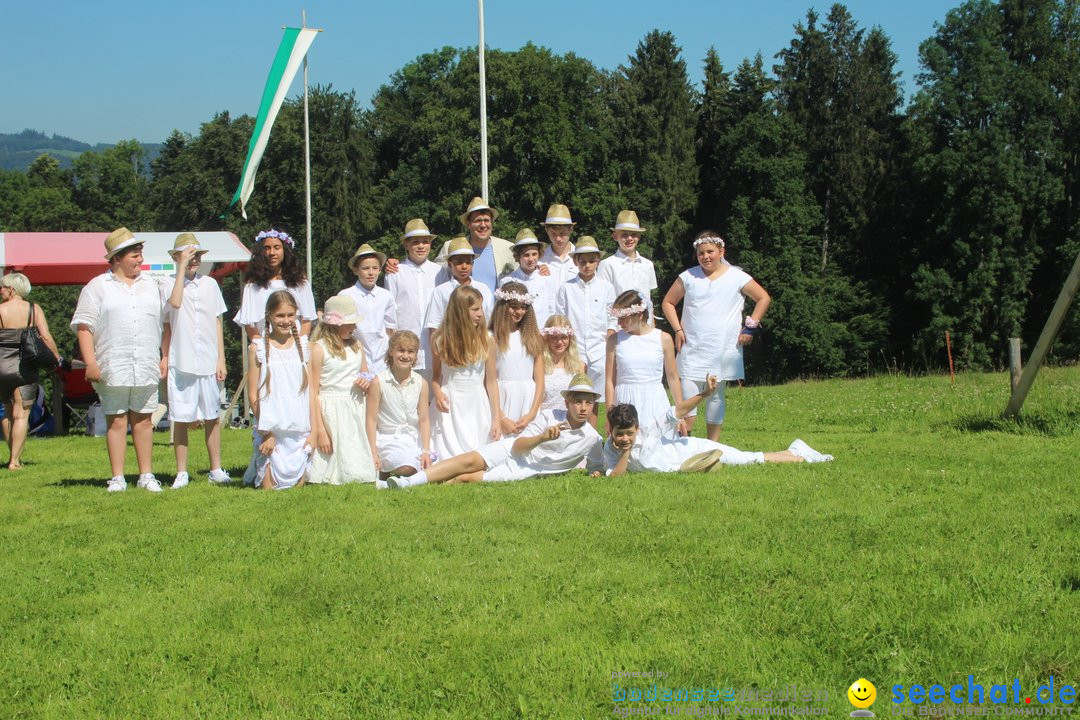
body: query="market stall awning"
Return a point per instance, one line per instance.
(63, 258)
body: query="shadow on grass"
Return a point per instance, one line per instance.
(237, 474)
(1060, 424)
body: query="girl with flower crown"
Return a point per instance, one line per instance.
(638, 358)
(274, 266)
(561, 361)
(519, 358)
(711, 333)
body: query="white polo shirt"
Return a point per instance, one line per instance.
(588, 305)
(193, 347)
(378, 313)
(126, 323)
(541, 287)
(412, 287)
(441, 298)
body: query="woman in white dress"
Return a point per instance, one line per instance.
(638, 358)
(464, 386)
(711, 334)
(274, 266)
(561, 361)
(339, 379)
(519, 358)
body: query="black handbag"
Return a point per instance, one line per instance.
(34, 354)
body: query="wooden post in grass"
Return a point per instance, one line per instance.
(1046, 339)
(1015, 366)
(948, 349)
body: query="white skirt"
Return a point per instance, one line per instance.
(649, 399)
(350, 462)
(516, 397)
(398, 451)
(288, 463)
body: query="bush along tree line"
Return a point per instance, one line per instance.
(876, 227)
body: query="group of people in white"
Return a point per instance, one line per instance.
(485, 364)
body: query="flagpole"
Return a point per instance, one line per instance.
(307, 157)
(483, 111)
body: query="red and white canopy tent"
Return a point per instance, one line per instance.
(63, 258)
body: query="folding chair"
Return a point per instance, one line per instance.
(78, 394)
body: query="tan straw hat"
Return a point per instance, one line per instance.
(627, 220)
(586, 244)
(460, 246)
(580, 383)
(558, 215)
(340, 310)
(119, 239)
(184, 240)
(417, 228)
(526, 236)
(478, 203)
(364, 251)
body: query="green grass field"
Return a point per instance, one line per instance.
(943, 542)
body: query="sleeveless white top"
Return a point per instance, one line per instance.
(555, 382)
(282, 406)
(397, 405)
(639, 358)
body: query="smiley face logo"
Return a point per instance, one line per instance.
(862, 693)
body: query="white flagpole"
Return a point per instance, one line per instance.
(483, 111)
(307, 157)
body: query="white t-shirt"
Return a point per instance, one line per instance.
(253, 303)
(193, 347)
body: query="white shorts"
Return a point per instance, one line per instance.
(496, 453)
(193, 397)
(119, 400)
(396, 451)
(596, 373)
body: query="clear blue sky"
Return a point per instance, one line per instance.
(107, 70)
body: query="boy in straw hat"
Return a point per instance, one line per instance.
(542, 287)
(655, 448)
(413, 285)
(196, 357)
(460, 258)
(376, 305)
(587, 299)
(628, 269)
(558, 257)
(555, 442)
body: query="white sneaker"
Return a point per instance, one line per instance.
(149, 482)
(396, 482)
(180, 480)
(117, 484)
(381, 484)
(219, 477)
(807, 453)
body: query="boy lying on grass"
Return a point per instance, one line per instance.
(652, 449)
(554, 442)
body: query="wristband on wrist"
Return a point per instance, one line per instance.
(751, 323)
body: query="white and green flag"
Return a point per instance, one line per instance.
(291, 52)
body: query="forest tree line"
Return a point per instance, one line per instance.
(876, 226)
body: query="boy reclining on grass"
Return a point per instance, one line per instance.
(554, 442)
(652, 449)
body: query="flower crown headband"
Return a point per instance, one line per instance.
(636, 309)
(558, 330)
(715, 239)
(507, 296)
(279, 234)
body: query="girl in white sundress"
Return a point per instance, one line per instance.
(711, 333)
(281, 400)
(398, 421)
(561, 361)
(639, 356)
(464, 385)
(339, 379)
(519, 358)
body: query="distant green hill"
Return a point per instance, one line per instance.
(18, 150)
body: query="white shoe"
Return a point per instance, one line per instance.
(149, 482)
(396, 482)
(117, 484)
(381, 484)
(181, 480)
(807, 453)
(219, 477)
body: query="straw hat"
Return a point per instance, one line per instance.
(184, 240)
(582, 384)
(558, 215)
(627, 220)
(478, 203)
(363, 251)
(416, 228)
(119, 239)
(586, 244)
(460, 246)
(340, 310)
